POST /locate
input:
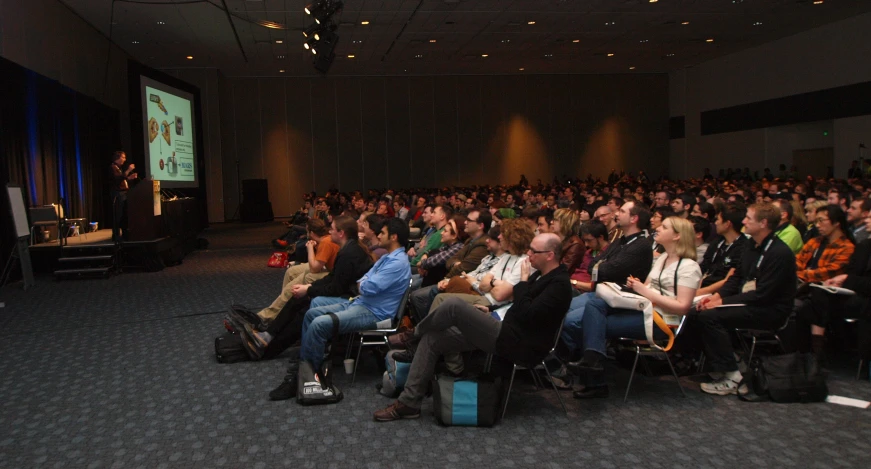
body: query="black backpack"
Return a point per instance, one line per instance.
(794, 377)
(229, 349)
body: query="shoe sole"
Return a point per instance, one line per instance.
(719, 392)
(401, 417)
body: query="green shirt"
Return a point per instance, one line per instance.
(432, 242)
(789, 235)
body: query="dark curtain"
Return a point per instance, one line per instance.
(56, 144)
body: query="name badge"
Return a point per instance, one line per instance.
(749, 286)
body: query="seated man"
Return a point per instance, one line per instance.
(762, 292)
(784, 230)
(440, 216)
(826, 255)
(352, 262)
(321, 259)
(525, 335)
(724, 256)
(369, 225)
(381, 290)
(422, 299)
(595, 237)
(433, 265)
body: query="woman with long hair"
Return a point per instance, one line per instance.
(565, 224)
(670, 286)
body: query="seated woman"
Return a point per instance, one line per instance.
(432, 264)
(565, 224)
(670, 286)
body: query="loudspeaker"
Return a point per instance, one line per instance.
(255, 191)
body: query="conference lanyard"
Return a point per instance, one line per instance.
(504, 267)
(659, 279)
(725, 251)
(762, 256)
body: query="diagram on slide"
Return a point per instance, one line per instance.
(170, 142)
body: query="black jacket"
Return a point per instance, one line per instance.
(719, 259)
(859, 270)
(352, 262)
(775, 278)
(530, 325)
(629, 255)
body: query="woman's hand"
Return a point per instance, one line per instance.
(636, 285)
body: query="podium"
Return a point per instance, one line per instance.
(144, 218)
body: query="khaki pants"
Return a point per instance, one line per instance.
(296, 275)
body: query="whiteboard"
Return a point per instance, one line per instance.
(16, 203)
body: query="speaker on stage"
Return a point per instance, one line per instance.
(255, 201)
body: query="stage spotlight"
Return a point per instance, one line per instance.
(323, 50)
(310, 43)
(307, 32)
(330, 9)
(314, 7)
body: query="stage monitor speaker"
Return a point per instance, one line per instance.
(255, 191)
(251, 212)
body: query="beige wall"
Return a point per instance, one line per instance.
(48, 38)
(306, 134)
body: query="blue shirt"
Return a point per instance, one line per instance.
(381, 289)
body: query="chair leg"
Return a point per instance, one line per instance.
(859, 370)
(350, 345)
(508, 393)
(357, 360)
(674, 373)
(632, 373)
(558, 395)
(701, 363)
(752, 351)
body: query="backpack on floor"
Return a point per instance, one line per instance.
(229, 349)
(238, 315)
(467, 402)
(315, 388)
(393, 380)
(793, 377)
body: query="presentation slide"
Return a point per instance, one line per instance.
(170, 132)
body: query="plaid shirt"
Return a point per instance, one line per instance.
(833, 261)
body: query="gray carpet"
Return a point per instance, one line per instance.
(121, 373)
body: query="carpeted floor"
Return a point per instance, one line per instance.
(121, 373)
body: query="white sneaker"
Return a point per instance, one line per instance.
(721, 387)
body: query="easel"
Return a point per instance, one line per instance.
(21, 251)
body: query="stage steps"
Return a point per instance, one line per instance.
(85, 261)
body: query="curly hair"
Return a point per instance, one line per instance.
(517, 234)
(569, 221)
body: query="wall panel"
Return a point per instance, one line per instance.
(398, 139)
(470, 147)
(273, 123)
(446, 163)
(300, 168)
(373, 112)
(349, 128)
(324, 136)
(421, 129)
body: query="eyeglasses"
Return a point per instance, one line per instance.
(538, 252)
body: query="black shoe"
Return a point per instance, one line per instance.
(404, 356)
(591, 392)
(592, 362)
(287, 388)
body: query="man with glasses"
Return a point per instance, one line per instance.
(662, 199)
(606, 217)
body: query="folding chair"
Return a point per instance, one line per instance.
(644, 348)
(760, 336)
(378, 336)
(535, 377)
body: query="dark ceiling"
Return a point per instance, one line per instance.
(433, 37)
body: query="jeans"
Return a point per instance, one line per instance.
(602, 322)
(572, 336)
(317, 327)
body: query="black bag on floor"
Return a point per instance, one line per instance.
(229, 349)
(238, 316)
(794, 377)
(467, 402)
(318, 388)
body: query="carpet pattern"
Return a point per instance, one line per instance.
(121, 373)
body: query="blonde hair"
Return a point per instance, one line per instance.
(569, 221)
(686, 245)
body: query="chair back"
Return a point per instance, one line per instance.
(400, 310)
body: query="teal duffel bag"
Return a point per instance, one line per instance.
(467, 402)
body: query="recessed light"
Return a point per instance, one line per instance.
(530, 22)
(644, 40)
(758, 23)
(190, 57)
(357, 41)
(505, 41)
(685, 23)
(610, 23)
(710, 39)
(135, 42)
(669, 55)
(521, 69)
(418, 56)
(279, 41)
(653, 1)
(280, 56)
(610, 54)
(577, 40)
(548, 55)
(632, 68)
(485, 55)
(160, 22)
(364, 22)
(350, 56)
(818, 2)
(281, 71)
(432, 40)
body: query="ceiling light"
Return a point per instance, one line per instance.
(418, 56)
(350, 56)
(685, 23)
(504, 41)
(160, 22)
(280, 56)
(758, 23)
(485, 55)
(521, 69)
(669, 55)
(548, 55)
(364, 22)
(653, 1)
(432, 40)
(279, 41)
(610, 54)
(307, 32)
(190, 57)
(281, 71)
(818, 2)
(709, 39)
(643, 41)
(577, 40)
(356, 41)
(135, 42)
(309, 8)
(531, 22)
(309, 44)
(632, 68)
(610, 23)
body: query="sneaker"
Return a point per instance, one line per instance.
(396, 411)
(721, 387)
